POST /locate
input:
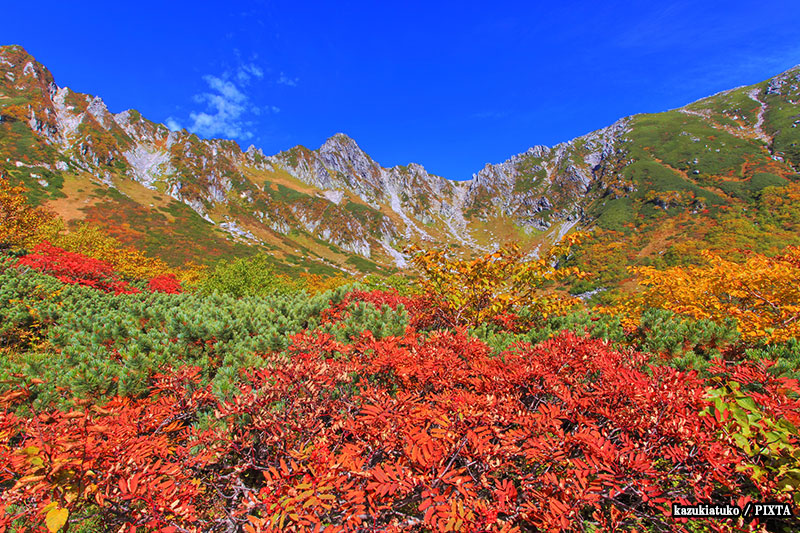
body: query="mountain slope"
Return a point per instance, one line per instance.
(642, 180)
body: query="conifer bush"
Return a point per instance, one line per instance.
(90, 343)
(253, 406)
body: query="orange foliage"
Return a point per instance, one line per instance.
(315, 284)
(424, 432)
(20, 223)
(761, 293)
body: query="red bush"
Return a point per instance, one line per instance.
(75, 268)
(421, 432)
(423, 313)
(166, 283)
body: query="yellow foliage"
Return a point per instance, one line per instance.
(782, 203)
(93, 242)
(316, 284)
(191, 273)
(56, 518)
(761, 293)
(504, 281)
(21, 224)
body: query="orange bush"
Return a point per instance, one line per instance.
(471, 292)
(761, 293)
(315, 284)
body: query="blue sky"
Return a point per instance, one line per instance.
(452, 85)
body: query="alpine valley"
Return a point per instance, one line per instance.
(298, 384)
(719, 173)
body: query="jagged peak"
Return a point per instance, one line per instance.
(416, 168)
(126, 116)
(338, 141)
(97, 107)
(341, 145)
(538, 150)
(252, 151)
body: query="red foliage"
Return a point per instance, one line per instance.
(166, 283)
(509, 322)
(421, 432)
(75, 268)
(423, 313)
(125, 456)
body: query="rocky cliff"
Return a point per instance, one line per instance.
(338, 207)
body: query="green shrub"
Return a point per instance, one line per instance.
(253, 276)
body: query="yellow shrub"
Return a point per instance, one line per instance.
(21, 224)
(504, 281)
(761, 293)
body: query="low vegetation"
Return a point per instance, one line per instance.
(478, 396)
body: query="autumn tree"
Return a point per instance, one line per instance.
(473, 290)
(20, 222)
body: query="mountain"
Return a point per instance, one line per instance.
(641, 183)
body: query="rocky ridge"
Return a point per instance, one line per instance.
(337, 196)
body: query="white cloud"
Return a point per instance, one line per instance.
(251, 70)
(172, 124)
(226, 110)
(286, 80)
(226, 107)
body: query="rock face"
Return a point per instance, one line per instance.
(545, 185)
(336, 196)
